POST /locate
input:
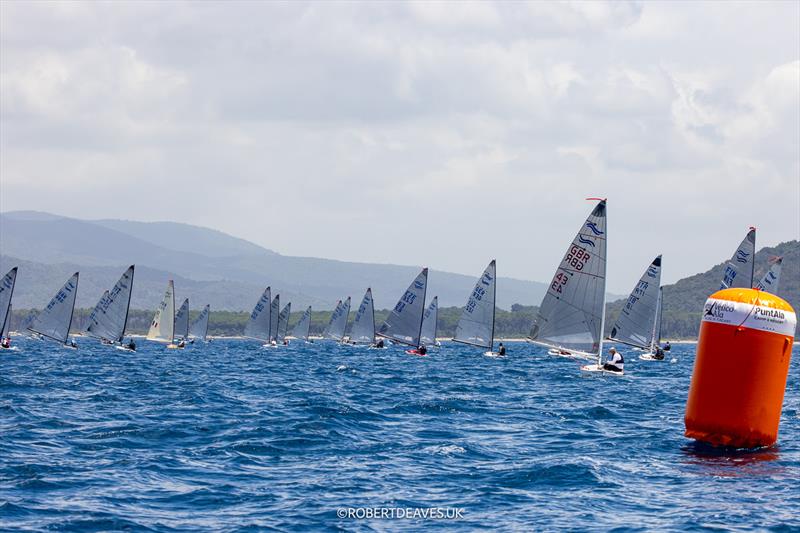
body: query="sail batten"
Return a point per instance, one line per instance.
(636, 322)
(55, 320)
(404, 323)
(363, 330)
(476, 325)
(258, 326)
(162, 328)
(572, 311)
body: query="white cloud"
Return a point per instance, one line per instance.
(442, 133)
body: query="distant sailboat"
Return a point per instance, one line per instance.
(199, 328)
(363, 331)
(740, 269)
(283, 322)
(570, 318)
(55, 320)
(404, 323)
(162, 328)
(274, 316)
(182, 321)
(430, 319)
(109, 318)
(771, 280)
(301, 329)
(655, 343)
(6, 292)
(338, 322)
(257, 327)
(638, 320)
(476, 325)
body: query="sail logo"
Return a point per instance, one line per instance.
(583, 240)
(741, 256)
(652, 271)
(419, 285)
(592, 226)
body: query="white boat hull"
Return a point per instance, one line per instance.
(649, 357)
(600, 370)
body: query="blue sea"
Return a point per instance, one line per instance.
(230, 436)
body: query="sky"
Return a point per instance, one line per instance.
(437, 134)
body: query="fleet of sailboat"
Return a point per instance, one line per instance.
(569, 322)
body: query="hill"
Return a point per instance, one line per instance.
(217, 263)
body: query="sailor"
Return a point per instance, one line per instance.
(422, 350)
(73, 343)
(379, 344)
(285, 342)
(501, 350)
(667, 347)
(615, 363)
(6, 342)
(182, 344)
(131, 345)
(659, 353)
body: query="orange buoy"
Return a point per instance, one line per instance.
(740, 371)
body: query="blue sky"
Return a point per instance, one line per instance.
(443, 134)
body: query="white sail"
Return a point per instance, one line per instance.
(476, 325)
(199, 328)
(110, 316)
(182, 321)
(6, 325)
(301, 329)
(283, 322)
(772, 278)
(162, 328)
(274, 316)
(338, 322)
(571, 314)
(739, 270)
(363, 331)
(258, 325)
(430, 317)
(404, 323)
(6, 292)
(636, 322)
(55, 320)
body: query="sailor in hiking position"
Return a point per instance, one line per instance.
(501, 350)
(615, 363)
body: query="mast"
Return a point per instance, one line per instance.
(494, 307)
(753, 262)
(603, 309)
(128, 307)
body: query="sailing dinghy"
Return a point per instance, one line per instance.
(476, 325)
(404, 323)
(110, 317)
(274, 315)
(257, 327)
(741, 267)
(283, 323)
(6, 292)
(162, 328)
(302, 328)
(199, 328)
(55, 320)
(363, 330)
(338, 322)
(655, 344)
(637, 321)
(182, 322)
(570, 319)
(769, 283)
(430, 319)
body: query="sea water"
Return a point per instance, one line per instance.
(229, 435)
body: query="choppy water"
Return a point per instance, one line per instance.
(232, 436)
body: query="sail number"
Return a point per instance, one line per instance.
(408, 298)
(577, 257)
(559, 282)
